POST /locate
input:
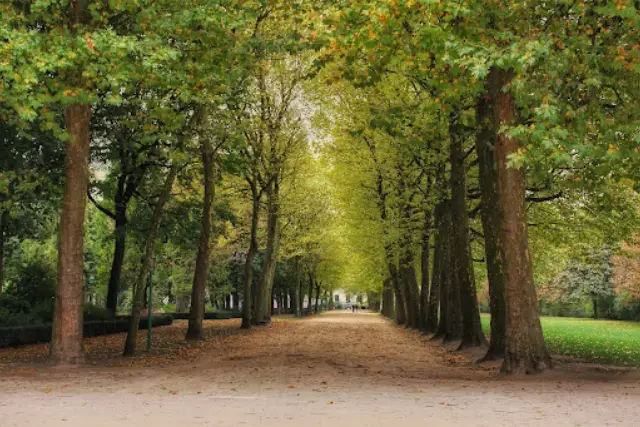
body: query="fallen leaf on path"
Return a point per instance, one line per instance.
(25, 371)
(48, 390)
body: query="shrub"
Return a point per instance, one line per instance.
(93, 312)
(210, 315)
(35, 283)
(22, 335)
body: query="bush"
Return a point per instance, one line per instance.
(35, 283)
(93, 312)
(22, 335)
(210, 315)
(14, 311)
(625, 307)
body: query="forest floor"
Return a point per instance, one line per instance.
(334, 369)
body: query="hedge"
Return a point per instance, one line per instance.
(213, 315)
(23, 335)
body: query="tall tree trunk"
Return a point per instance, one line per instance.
(4, 218)
(387, 299)
(488, 178)
(401, 313)
(425, 248)
(120, 233)
(450, 328)
(271, 252)
(203, 259)
(595, 308)
(431, 324)
(525, 350)
(309, 306)
(66, 341)
(141, 282)
(251, 254)
(463, 274)
(301, 295)
(297, 288)
(411, 293)
(318, 286)
(407, 270)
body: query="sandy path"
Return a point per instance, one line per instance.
(335, 369)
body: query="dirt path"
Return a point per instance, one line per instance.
(334, 369)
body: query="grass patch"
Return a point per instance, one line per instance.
(599, 341)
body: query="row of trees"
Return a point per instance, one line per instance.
(444, 130)
(479, 121)
(160, 108)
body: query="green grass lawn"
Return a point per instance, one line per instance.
(599, 341)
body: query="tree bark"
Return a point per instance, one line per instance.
(463, 275)
(271, 252)
(410, 289)
(525, 350)
(309, 306)
(595, 308)
(141, 282)
(401, 314)
(318, 286)
(424, 270)
(387, 299)
(485, 148)
(248, 266)
(66, 341)
(410, 292)
(296, 288)
(431, 324)
(127, 185)
(120, 233)
(301, 295)
(4, 217)
(203, 258)
(450, 327)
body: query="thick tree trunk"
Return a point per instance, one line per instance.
(141, 282)
(525, 350)
(66, 341)
(485, 145)
(463, 275)
(203, 258)
(424, 270)
(248, 266)
(431, 324)
(450, 328)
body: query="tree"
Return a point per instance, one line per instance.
(590, 278)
